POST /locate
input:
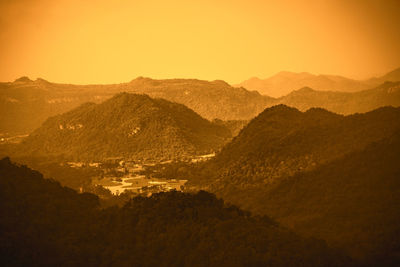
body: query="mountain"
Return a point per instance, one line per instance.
(50, 225)
(259, 171)
(127, 125)
(351, 202)
(387, 94)
(392, 76)
(211, 100)
(285, 82)
(282, 141)
(26, 104)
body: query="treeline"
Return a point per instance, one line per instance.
(45, 224)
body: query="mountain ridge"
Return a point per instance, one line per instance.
(26, 105)
(284, 82)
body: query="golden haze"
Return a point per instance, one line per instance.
(113, 41)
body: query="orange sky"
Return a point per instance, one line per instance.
(116, 41)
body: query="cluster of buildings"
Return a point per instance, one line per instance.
(120, 175)
(127, 176)
(142, 185)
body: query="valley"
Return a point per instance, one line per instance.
(310, 170)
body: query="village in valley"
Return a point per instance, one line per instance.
(118, 175)
(135, 177)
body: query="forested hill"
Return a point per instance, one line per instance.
(127, 125)
(282, 141)
(49, 225)
(352, 202)
(326, 175)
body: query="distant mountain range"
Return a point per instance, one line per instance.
(211, 100)
(26, 104)
(322, 173)
(392, 76)
(285, 82)
(387, 94)
(127, 125)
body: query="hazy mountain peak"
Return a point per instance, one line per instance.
(293, 74)
(141, 79)
(41, 80)
(397, 71)
(392, 76)
(23, 79)
(254, 79)
(305, 89)
(285, 82)
(220, 82)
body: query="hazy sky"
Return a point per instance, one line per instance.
(115, 41)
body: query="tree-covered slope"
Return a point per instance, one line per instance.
(352, 202)
(127, 125)
(44, 224)
(282, 141)
(325, 175)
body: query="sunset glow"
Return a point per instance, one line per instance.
(115, 41)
